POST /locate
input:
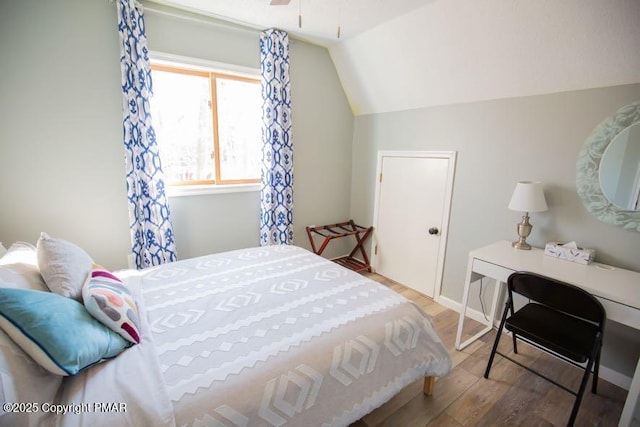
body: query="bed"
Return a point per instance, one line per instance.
(255, 337)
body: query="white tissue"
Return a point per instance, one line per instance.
(570, 245)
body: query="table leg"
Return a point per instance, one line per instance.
(465, 301)
(631, 404)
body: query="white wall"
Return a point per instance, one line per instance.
(456, 51)
(61, 152)
(500, 142)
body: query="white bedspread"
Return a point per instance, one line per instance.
(261, 337)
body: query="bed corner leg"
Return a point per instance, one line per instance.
(429, 382)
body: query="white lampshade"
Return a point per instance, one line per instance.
(528, 197)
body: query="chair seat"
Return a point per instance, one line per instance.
(559, 332)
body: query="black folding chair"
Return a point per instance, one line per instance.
(560, 319)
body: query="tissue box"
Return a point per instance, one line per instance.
(573, 254)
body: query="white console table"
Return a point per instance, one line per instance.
(617, 289)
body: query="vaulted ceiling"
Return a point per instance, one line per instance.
(396, 55)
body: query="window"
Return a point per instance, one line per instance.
(207, 125)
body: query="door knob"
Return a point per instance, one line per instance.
(433, 231)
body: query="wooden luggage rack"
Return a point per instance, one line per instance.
(343, 229)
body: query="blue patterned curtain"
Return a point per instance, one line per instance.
(151, 232)
(276, 198)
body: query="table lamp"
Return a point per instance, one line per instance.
(527, 197)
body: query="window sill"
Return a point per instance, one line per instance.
(199, 190)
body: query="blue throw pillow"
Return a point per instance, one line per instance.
(57, 332)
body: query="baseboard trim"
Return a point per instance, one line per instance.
(607, 374)
(615, 377)
(456, 306)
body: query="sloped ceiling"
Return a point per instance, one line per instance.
(457, 51)
(396, 55)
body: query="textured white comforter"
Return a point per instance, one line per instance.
(265, 336)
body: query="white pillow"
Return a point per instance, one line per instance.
(19, 268)
(63, 265)
(22, 380)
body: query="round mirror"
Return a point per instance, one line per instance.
(607, 176)
(620, 169)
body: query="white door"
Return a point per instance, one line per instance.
(412, 212)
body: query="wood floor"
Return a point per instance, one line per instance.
(511, 396)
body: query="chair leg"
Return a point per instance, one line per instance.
(493, 352)
(515, 346)
(497, 341)
(583, 385)
(596, 374)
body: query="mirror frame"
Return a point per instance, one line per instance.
(588, 169)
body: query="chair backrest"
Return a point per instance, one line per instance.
(557, 295)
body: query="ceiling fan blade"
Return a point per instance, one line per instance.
(279, 2)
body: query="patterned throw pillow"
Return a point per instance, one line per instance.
(109, 301)
(57, 332)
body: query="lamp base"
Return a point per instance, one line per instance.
(521, 244)
(524, 229)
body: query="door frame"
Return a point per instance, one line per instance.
(449, 155)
